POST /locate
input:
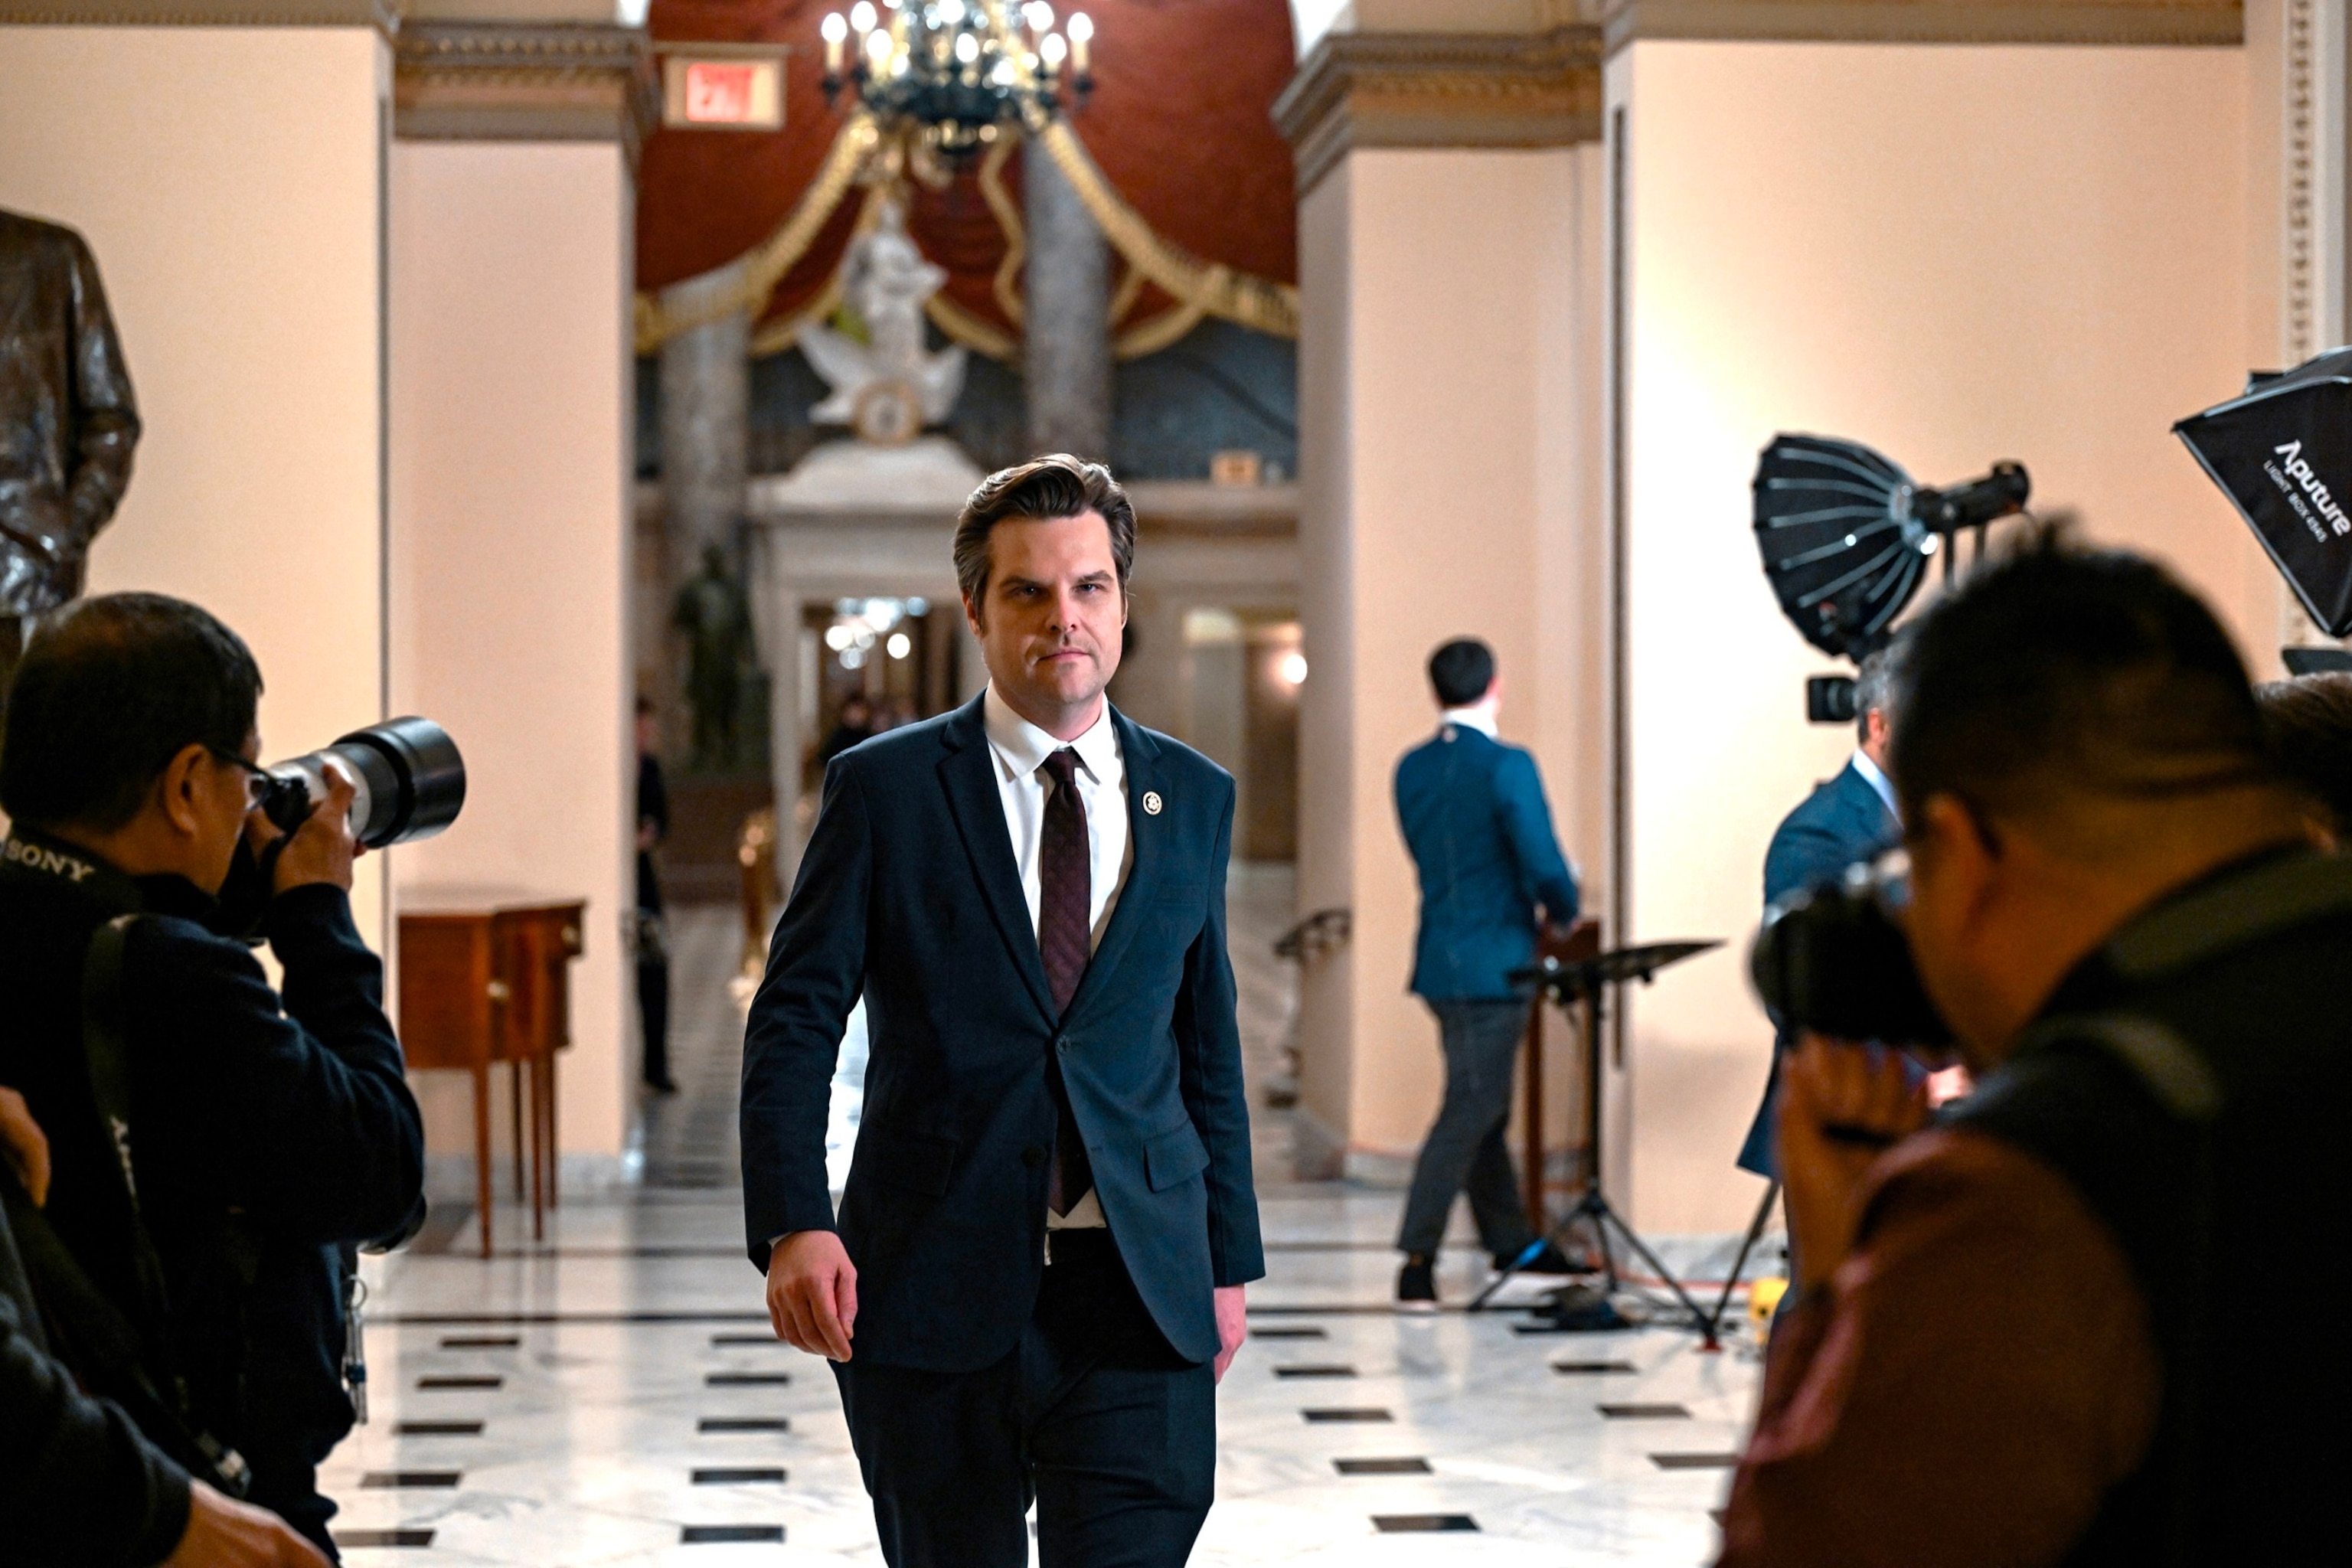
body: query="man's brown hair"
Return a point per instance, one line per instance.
(1040, 490)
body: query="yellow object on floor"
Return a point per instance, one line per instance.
(1763, 1300)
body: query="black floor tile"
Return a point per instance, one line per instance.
(741, 1476)
(1645, 1412)
(747, 1379)
(1586, 1368)
(722, 1341)
(455, 1382)
(1412, 1467)
(1314, 1372)
(1696, 1461)
(1416, 1523)
(436, 1428)
(348, 1539)
(720, 1534)
(482, 1342)
(402, 1479)
(742, 1423)
(1302, 1331)
(1359, 1414)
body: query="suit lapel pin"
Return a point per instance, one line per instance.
(1151, 803)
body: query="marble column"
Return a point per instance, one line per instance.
(1068, 336)
(705, 393)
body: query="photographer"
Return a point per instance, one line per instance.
(2017, 1341)
(262, 1137)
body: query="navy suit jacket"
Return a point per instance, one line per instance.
(1843, 821)
(910, 894)
(1474, 816)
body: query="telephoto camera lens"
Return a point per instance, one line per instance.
(1833, 959)
(410, 782)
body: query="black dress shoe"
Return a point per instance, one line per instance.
(661, 1085)
(1417, 1286)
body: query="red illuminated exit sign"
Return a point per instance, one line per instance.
(720, 87)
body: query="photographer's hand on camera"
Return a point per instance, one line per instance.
(1842, 1106)
(321, 850)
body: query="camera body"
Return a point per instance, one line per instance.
(1831, 699)
(408, 778)
(1835, 961)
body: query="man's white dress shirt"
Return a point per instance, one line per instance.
(1479, 716)
(1020, 750)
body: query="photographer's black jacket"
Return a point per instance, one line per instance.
(264, 1137)
(78, 1489)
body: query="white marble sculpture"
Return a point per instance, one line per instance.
(887, 387)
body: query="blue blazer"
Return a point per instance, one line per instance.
(910, 894)
(1843, 821)
(1474, 816)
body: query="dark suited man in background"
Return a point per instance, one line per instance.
(1491, 872)
(653, 930)
(1852, 817)
(1040, 1255)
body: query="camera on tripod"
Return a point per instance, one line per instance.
(407, 777)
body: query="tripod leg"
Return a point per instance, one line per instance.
(1700, 1319)
(1746, 1246)
(1558, 1233)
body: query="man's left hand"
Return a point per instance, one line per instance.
(1841, 1107)
(1233, 1324)
(27, 1151)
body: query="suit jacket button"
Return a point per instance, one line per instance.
(1033, 1155)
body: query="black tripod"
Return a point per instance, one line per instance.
(1587, 980)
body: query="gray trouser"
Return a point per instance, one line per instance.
(1466, 1151)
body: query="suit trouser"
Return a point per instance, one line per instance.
(1466, 1151)
(1093, 1417)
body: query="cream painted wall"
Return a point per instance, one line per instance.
(510, 423)
(228, 181)
(1956, 255)
(1448, 456)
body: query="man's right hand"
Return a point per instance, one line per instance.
(812, 1293)
(225, 1533)
(323, 848)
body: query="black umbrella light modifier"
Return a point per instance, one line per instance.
(2281, 452)
(1846, 534)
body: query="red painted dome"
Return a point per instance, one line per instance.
(1179, 124)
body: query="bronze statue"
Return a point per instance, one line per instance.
(68, 422)
(717, 620)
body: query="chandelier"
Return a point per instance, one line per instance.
(956, 70)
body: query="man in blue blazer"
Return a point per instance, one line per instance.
(1491, 874)
(1850, 817)
(1035, 1277)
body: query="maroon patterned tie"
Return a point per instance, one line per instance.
(1065, 894)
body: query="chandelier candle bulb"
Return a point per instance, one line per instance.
(1053, 51)
(1039, 16)
(1081, 28)
(834, 30)
(967, 48)
(862, 18)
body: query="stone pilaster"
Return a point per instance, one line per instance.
(1067, 346)
(705, 393)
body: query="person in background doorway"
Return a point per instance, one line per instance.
(653, 935)
(854, 727)
(1492, 875)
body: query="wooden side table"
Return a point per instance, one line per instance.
(1580, 941)
(485, 978)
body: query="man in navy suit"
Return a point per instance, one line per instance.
(1852, 817)
(1049, 1218)
(1475, 818)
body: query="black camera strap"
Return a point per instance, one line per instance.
(109, 1060)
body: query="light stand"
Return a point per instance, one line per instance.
(1587, 980)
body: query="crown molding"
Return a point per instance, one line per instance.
(2209, 23)
(476, 81)
(1441, 89)
(381, 14)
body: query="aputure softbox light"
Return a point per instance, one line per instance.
(2283, 454)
